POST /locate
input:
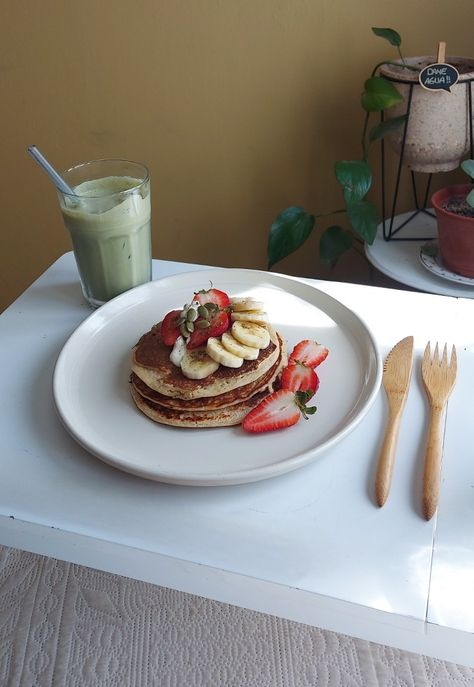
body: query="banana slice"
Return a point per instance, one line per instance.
(221, 355)
(196, 364)
(239, 349)
(250, 334)
(246, 303)
(250, 316)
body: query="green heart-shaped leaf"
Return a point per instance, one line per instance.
(386, 127)
(333, 243)
(392, 36)
(355, 178)
(288, 232)
(364, 220)
(379, 94)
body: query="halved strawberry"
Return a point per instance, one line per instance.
(309, 352)
(217, 324)
(299, 377)
(212, 295)
(170, 327)
(280, 409)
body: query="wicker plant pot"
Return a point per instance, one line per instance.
(455, 232)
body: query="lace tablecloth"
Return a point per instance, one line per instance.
(64, 625)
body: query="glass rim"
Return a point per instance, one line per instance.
(83, 165)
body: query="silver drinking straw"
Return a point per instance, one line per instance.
(56, 178)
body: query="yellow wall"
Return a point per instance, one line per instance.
(239, 108)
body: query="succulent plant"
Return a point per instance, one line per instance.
(468, 167)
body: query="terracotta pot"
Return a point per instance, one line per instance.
(438, 132)
(455, 232)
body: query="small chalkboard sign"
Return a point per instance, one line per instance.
(439, 76)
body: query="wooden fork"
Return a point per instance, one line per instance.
(439, 378)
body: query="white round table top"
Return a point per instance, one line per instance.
(399, 257)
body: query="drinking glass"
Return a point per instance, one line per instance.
(109, 220)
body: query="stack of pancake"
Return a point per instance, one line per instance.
(165, 395)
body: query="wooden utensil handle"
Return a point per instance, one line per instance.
(383, 477)
(432, 472)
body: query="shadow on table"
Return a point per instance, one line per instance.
(415, 459)
(69, 294)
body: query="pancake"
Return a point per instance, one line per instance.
(228, 398)
(221, 417)
(151, 363)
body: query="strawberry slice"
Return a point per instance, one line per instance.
(170, 327)
(280, 409)
(212, 295)
(309, 352)
(217, 324)
(299, 377)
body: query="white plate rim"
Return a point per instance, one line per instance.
(247, 277)
(433, 265)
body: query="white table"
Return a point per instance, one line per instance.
(400, 259)
(310, 546)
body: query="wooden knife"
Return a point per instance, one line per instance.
(396, 380)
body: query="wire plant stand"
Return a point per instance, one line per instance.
(390, 232)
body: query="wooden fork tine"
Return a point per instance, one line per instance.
(453, 363)
(426, 357)
(444, 360)
(439, 378)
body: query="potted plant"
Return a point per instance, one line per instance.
(454, 207)
(384, 93)
(437, 137)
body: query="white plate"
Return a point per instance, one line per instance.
(430, 258)
(93, 399)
